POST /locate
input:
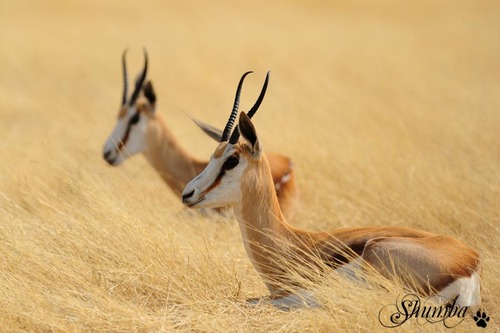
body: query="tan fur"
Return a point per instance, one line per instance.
(432, 261)
(284, 182)
(123, 112)
(171, 161)
(220, 150)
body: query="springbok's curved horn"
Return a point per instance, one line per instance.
(125, 77)
(140, 80)
(256, 106)
(236, 134)
(234, 112)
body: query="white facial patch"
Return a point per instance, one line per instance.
(134, 141)
(214, 187)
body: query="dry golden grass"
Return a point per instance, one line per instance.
(390, 110)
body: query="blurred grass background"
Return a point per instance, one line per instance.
(389, 109)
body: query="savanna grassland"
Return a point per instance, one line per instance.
(389, 109)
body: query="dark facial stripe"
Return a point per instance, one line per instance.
(215, 183)
(218, 179)
(132, 121)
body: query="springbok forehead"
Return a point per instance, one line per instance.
(141, 105)
(219, 151)
(226, 149)
(123, 112)
(126, 112)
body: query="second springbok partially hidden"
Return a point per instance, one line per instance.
(238, 174)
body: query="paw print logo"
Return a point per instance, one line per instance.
(481, 319)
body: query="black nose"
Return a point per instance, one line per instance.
(187, 196)
(108, 158)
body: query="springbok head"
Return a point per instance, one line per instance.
(129, 135)
(220, 184)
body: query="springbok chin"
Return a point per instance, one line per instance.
(238, 174)
(129, 135)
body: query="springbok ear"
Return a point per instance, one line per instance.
(247, 131)
(209, 130)
(149, 93)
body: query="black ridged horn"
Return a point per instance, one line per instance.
(140, 80)
(236, 133)
(125, 77)
(234, 112)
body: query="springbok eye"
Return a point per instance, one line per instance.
(230, 163)
(135, 119)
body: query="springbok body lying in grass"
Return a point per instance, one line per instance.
(141, 129)
(238, 175)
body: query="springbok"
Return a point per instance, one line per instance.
(238, 175)
(140, 128)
